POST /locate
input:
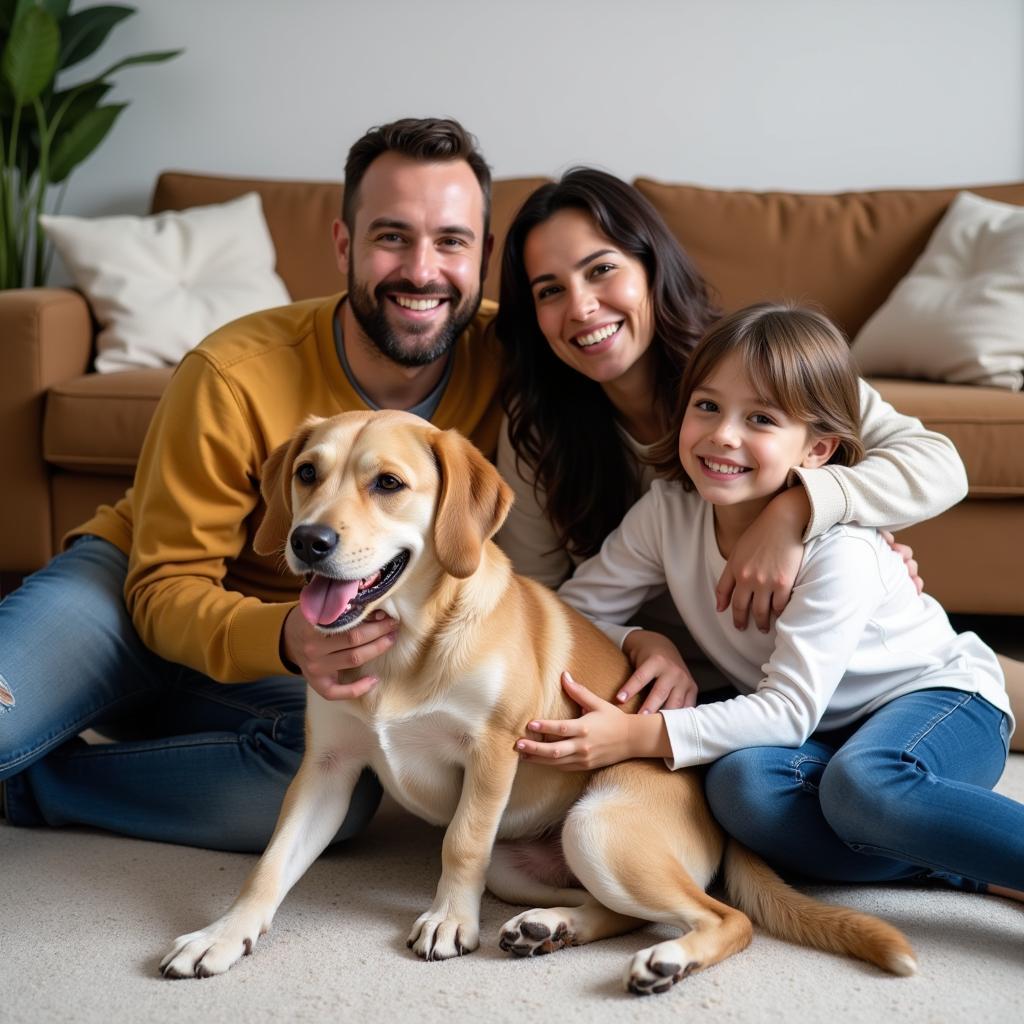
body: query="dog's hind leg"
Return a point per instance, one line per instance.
(535, 874)
(644, 844)
(314, 807)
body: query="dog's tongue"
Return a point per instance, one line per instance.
(324, 601)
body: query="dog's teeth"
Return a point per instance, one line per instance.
(369, 581)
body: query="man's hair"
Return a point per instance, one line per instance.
(420, 138)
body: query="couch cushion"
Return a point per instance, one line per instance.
(985, 424)
(96, 423)
(299, 215)
(159, 284)
(843, 252)
(957, 316)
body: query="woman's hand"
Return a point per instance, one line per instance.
(907, 554)
(760, 573)
(655, 657)
(321, 656)
(603, 735)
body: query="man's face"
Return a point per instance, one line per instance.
(416, 257)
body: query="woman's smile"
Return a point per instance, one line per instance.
(592, 299)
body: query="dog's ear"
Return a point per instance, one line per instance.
(276, 488)
(473, 503)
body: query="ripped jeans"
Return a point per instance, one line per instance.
(903, 794)
(195, 761)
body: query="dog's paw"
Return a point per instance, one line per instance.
(437, 937)
(536, 932)
(208, 952)
(658, 968)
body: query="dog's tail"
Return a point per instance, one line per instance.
(788, 914)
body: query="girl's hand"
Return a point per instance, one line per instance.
(762, 568)
(907, 554)
(603, 735)
(655, 657)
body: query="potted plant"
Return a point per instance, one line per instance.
(46, 129)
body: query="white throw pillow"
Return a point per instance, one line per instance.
(958, 316)
(158, 285)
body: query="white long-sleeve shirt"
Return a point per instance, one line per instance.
(908, 474)
(854, 635)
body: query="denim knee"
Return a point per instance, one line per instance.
(862, 795)
(744, 790)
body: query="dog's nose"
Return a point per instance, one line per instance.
(314, 542)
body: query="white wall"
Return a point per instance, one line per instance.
(794, 94)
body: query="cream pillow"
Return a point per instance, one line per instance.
(958, 316)
(158, 285)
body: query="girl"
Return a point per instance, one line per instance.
(866, 735)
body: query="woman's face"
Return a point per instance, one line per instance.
(593, 301)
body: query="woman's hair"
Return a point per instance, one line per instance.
(796, 358)
(561, 424)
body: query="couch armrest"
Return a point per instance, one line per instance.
(46, 336)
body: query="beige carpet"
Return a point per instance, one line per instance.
(86, 917)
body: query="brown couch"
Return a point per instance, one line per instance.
(69, 438)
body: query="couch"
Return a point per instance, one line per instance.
(69, 438)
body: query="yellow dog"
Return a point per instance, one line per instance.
(382, 510)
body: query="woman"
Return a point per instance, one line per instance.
(599, 310)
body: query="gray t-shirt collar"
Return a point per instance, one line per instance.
(425, 409)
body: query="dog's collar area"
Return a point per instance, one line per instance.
(386, 577)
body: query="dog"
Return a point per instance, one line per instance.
(383, 510)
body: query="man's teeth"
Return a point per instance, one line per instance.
(586, 340)
(721, 467)
(417, 304)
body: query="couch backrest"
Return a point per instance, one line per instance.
(299, 215)
(844, 252)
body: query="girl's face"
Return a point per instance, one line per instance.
(736, 446)
(592, 300)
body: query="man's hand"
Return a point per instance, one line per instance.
(655, 657)
(320, 657)
(759, 575)
(907, 554)
(604, 735)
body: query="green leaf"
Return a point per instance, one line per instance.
(30, 57)
(84, 32)
(142, 58)
(58, 8)
(10, 9)
(81, 140)
(80, 100)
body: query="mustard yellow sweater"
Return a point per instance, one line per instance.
(197, 592)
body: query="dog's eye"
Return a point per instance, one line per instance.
(388, 482)
(306, 473)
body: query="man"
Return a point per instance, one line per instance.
(160, 600)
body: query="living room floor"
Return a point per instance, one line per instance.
(87, 917)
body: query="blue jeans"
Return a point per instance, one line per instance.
(903, 794)
(196, 762)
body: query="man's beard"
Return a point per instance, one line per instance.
(371, 314)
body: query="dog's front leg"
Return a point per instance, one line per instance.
(451, 926)
(314, 808)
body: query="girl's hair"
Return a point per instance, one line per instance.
(796, 358)
(561, 424)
